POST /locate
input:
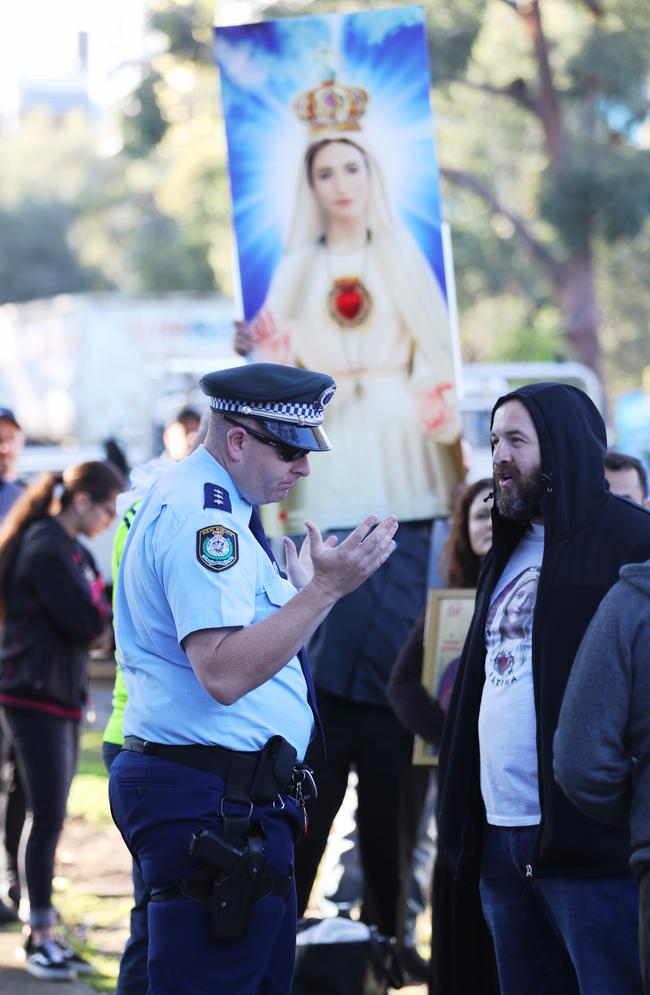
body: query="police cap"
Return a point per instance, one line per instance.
(288, 402)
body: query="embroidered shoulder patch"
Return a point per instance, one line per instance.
(215, 496)
(217, 547)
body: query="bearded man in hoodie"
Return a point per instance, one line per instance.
(552, 884)
(602, 742)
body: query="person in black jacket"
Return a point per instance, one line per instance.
(553, 884)
(469, 539)
(12, 799)
(52, 609)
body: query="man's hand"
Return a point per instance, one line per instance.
(340, 569)
(300, 568)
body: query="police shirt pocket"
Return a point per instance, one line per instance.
(275, 593)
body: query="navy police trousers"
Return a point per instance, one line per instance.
(156, 805)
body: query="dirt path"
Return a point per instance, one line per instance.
(93, 874)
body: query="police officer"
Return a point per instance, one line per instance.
(208, 791)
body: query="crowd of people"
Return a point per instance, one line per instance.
(228, 761)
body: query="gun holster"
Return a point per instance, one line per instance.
(232, 874)
(237, 879)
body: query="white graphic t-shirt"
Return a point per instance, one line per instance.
(507, 724)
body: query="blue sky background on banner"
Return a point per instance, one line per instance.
(264, 66)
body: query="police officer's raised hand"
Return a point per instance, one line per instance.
(300, 568)
(340, 569)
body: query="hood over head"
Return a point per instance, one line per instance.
(572, 441)
(637, 575)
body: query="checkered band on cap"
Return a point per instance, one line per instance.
(289, 411)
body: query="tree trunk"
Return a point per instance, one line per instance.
(578, 300)
(548, 105)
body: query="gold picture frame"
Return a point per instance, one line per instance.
(448, 617)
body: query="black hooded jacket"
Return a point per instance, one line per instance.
(589, 534)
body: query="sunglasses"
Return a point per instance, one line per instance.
(287, 453)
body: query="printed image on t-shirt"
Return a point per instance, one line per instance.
(509, 628)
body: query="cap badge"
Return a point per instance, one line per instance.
(327, 396)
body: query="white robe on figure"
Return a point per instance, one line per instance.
(395, 412)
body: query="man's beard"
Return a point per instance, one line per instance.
(520, 500)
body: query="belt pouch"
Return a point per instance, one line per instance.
(274, 770)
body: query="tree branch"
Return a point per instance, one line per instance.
(539, 251)
(530, 14)
(518, 90)
(595, 7)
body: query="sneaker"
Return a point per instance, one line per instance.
(72, 958)
(47, 962)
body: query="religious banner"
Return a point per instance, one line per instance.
(337, 221)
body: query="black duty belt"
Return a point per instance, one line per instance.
(258, 777)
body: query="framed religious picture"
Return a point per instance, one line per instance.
(449, 613)
(336, 212)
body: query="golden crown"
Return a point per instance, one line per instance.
(331, 106)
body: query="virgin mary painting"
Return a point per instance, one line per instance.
(354, 296)
(332, 278)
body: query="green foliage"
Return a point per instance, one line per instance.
(566, 162)
(143, 123)
(611, 69)
(50, 158)
(187, 28)
(36, 259)
(164, 256)
(606, 196)
(453, 28)
(90, 761)
(88, 799)
(625, 187)
(623, 270)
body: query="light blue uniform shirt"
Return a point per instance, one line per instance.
(188, 567)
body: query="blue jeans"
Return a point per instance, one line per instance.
(133, 977)
(557, 935)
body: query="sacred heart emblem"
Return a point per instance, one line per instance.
(348, 301)
(504, 663)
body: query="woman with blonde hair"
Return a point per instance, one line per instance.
(52, 608)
